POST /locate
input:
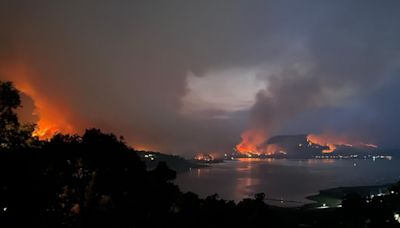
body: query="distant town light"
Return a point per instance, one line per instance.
(396, 217)
(324, 206)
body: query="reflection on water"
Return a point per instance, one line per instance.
(245, 183)
(289, 180)
(201, 172)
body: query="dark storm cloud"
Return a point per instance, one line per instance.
(123, 66)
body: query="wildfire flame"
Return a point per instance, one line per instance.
(45, 131)
(251, 142)
(52, 115)
(324, 140)
(370, 145)
(333, 141)
(271, 149)
(204, 157)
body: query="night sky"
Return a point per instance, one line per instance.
(185, 76)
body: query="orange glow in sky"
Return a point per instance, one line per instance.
(251, 141)
(52, 115)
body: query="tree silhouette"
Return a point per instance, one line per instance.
(12, 134)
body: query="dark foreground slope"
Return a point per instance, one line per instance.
(97, 181)
(177, 163)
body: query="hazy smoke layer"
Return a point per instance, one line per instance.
(126, 67)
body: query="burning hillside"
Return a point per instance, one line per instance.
(252, 141)
(332, 142)
(300, 146)
(53, 116)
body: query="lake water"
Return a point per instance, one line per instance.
(289, 180)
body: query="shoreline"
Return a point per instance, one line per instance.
(332, 197)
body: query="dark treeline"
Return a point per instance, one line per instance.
(96, 180)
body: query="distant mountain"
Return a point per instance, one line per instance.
(293, 146)
(297, 146)
(293, 140)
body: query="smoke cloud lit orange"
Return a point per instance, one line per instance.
(52, 115)
(251, 142)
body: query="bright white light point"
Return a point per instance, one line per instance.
(5, 209)
(397, 217)
(324, 206)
